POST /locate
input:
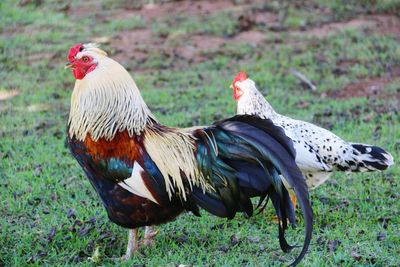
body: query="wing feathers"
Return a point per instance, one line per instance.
(136, 185)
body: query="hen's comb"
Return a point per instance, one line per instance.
(240, 77)
(73, 51)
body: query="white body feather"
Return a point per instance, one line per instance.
(318, 151)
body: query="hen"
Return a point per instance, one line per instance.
(147, 174)
(318, 151)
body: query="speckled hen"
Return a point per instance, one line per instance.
(318, 151)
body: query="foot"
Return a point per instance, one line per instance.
(149, 236)
(133, 244)
(126, 257)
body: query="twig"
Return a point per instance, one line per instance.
(303, 79)
(283, 13)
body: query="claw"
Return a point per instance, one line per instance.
(149, 236)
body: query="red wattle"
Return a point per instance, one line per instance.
(78, 74)
(81, 71)
(91, 68)
(237, 94)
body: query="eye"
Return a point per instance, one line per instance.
(85, 59)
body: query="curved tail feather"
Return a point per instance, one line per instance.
(243, 157)
(283, 160)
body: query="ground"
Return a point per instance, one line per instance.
(183, 55)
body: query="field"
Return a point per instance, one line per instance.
(183, 56)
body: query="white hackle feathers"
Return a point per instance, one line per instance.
(252, 102)
(107, 101)
(173, 153)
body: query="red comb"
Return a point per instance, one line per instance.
(240, 77)
(73, 51)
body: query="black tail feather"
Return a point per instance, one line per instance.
(245, 157)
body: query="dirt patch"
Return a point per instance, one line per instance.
(369, 87)
(199, 48)
(250, 37)
(206, 42)
(387, 25)
(188, 8)
(142, 43)
(83, 9)
(172, 9)
(249, 19)
(380, 24)
(136, 44)
(266, 18)
(337, 27)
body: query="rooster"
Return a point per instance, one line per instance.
(319, 152)
(147, 174)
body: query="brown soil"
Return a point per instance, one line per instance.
(140, 44)
(388, 25)
(84, 9)
(250, 37)
(193, 48)
(198, 48)
(369, 87)
(332, 28)
(136, 45)
(152, 11)
(380, 24)
(265, 18)
(189, 8)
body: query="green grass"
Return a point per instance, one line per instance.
(51, 216)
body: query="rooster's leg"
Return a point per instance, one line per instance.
(149, 235)
(132, 243)
(293, 198)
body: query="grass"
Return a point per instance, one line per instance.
(50, 214)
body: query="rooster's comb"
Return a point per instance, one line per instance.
(240, 77)
(73, 51)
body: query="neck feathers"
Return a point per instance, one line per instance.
(174, 154)
(105, 102)
(254, 103)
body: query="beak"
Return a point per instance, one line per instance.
(69, 65)
(231, 86)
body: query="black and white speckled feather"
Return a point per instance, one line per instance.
(318, 151)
